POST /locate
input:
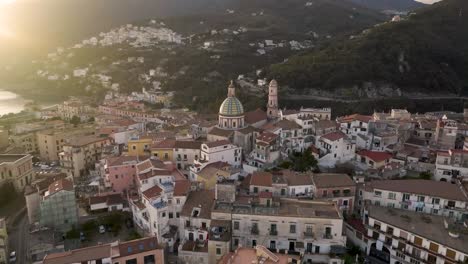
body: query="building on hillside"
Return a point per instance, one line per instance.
(58, 208)
(401, 236)
(339, 188)
(256, 118)
(280, 184)
(139, 146)
(425, 196)
(51, 142)
(81, 154)
(354, 125)
(17, 169)
(120, 173)
(445, 134)
(215, 172)
(367, 159)
(335, 148)
(266, 152)
(451, 165)
(185, 152)
(70, 108)
(145, 250)
(109, 202)
(164, 150)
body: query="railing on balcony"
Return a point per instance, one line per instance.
(327, 236)
(273, 232)
(308, 234)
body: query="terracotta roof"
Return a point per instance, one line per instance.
(334, 136)
(137, 246)
(267, 136)
(154, 172)
(218, 143)
(165, 144)
(60, 185)
(354, 117)
(110, 199)
(287, 124)
(376, 156)
(297, 179)
(119, 161)
(261, 178)
(199, 199)
(327, 180)
(425, 187)
(152, 192)
(255, 116)
(79, 255)
(321, 124)
(182, 188)
(187, 144)
(144, 165)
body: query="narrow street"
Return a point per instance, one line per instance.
(19, 237)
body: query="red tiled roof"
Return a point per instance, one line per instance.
(358, 117)
(181, 188)
(267, 136)
(119, 161)
(152, 192)
(255, 116)
(187, 144)
(376, 156)
(138, 246)
(218, 143)
(261, 178)
(60, 185)
(165, 144)
(334, 136)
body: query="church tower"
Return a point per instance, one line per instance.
(272, 107)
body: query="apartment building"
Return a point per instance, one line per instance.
(144, 251)
(164, 150)
(451, 165)
(368, 159)
(284, 183)
(81, 153)
(339, 188)
(401, 236)
(58, 207)
(139, 146)
(309, 228)
(266, 151)
(258, 254)
(335, 148)
(430, 197)
(17, 169)
(70, 108)
(445, 134)
(51, 142)
(185, 152)
(120, 173)
(355, 124)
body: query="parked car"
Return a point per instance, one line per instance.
(102, 229)
(12, 257)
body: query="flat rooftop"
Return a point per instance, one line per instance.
(286, 208)
(428, 226)
(11, 157)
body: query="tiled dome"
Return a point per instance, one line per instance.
(231, 107)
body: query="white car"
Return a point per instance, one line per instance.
(102, 229)
(13, 257)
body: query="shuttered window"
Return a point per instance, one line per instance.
(418, 241)
(434, 247)
(450, 254)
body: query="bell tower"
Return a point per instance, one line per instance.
(272, 106)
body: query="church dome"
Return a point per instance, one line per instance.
(231, 107)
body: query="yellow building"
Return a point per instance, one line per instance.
(17, 169)
(140, 146)
(3, 241)
(164, 150)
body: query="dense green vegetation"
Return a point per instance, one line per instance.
(427, 52)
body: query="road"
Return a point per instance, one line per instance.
(19, 237)
(324, 98)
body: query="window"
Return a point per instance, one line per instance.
(177, 214)
(292, 228)
(435, 211)
(178, 201)
(418, 241)
(421, 198)
(392, 196)
(218, 251)
(435, 200)
(254, 243)
(171, 215)
(255, 190)
(406, 196)
(433, 247)
(378, 193)
(236, 225)
(451, 204)
(450, 254)
(236, 242)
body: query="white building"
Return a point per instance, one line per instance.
(451, 164)
(335, 148)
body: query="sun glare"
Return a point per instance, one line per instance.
(6, 2)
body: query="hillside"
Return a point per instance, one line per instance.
(426, 53)
(215, 48)
(397, 5)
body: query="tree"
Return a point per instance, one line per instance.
(75, 120)
(425, 175)
(303, 161)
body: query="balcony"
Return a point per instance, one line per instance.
(273, 232)
(327, 236)
(309, 234)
